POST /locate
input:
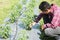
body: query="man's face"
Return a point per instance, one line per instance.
(46, 11)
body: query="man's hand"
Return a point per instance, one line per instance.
(32, 24)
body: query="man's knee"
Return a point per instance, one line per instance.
(49, 31)
(57, 30)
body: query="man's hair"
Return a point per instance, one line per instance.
(44, 6)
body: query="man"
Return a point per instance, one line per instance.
(51, 18)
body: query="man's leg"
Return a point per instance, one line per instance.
(57, 30)
(50, 32)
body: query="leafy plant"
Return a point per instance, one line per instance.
(15, 12)
(22, 35)
(5, 31)
(29, 14)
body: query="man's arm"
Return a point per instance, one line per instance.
(36, 20)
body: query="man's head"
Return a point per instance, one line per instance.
(45, 7)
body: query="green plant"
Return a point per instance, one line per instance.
(15, 12)
(29, 13)
(5, 31)
(22, 35)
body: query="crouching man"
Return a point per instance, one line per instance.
(51, 18)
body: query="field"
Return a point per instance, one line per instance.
(20, 14)
(5, 6)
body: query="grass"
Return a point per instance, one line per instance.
(5, 6)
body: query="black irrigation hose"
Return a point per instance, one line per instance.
(16, 27)
(15, 32)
